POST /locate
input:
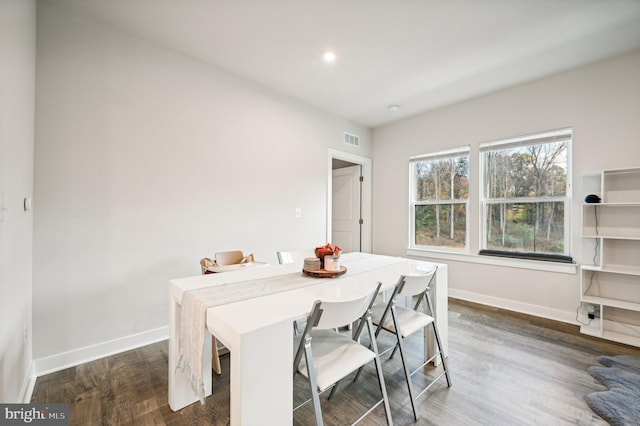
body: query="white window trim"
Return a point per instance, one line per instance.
(451, 153)
(566, 135)
(551, 136)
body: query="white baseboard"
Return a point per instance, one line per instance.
(28, 384)
(511, 305)
(64, 360)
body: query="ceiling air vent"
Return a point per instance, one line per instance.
(351, 139)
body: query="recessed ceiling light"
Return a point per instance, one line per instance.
(329, 56)
(394, 107)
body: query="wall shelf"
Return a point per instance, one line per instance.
(611, 220)
(610, 272)
(614, 303)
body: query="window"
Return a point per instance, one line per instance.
(525, 196)
(439, 199)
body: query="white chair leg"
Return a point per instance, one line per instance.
(407, 374)
(317, 409)
(438, 342)
(333, 390)
(383, 387)
(444, 362)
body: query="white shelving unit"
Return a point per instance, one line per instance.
(610, 272)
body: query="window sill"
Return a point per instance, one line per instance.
(538, 265)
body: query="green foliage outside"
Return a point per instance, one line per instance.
(430, 231)
(528, 227)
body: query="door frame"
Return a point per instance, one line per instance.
(366, 193)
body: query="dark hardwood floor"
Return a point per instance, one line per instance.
(506, 368)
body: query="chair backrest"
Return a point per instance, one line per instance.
(341, 312)
(229, 257)
(286, 257)
(416, 284)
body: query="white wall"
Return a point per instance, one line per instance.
(602, 104)
(146, 161)
(17, 85)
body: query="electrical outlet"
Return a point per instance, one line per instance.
(593, 311)
(298, 212)
(25, 332)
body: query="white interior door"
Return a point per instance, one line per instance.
(346, 214)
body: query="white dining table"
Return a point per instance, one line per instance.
(257, 327)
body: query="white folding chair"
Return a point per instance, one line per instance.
(404, 322)
(286, 257)
(324, 357)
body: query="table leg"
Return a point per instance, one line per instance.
(262, 376)
(439, 297)
(180, 392)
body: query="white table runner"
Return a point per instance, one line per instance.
(196, 302)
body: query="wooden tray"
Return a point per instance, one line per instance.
(321, 273)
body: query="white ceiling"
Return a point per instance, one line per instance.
(419, 55)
